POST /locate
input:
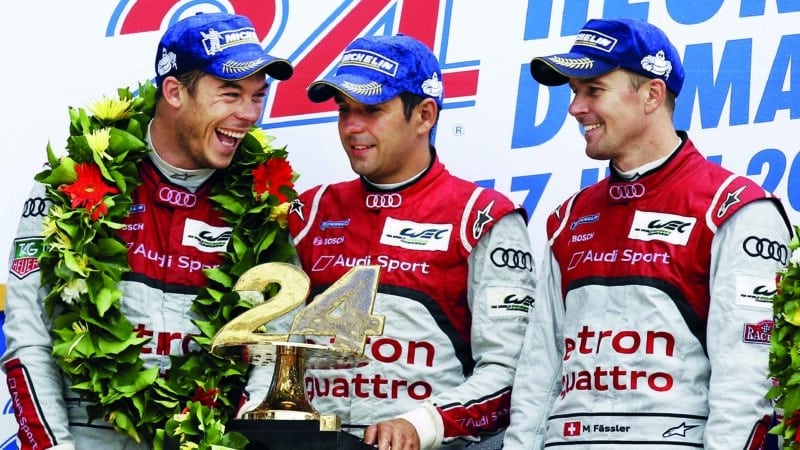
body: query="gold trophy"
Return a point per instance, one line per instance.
(286, 418)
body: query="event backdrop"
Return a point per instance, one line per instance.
(740, 102)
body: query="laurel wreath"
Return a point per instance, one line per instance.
(371, 88)
(573, 63)
(239, 67)
(82, 262)
(784, 357)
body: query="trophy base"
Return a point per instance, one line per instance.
(294, 435)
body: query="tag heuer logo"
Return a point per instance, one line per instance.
(26, 256)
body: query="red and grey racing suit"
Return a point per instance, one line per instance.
(456, 287)
(653, 318)
(172, 234)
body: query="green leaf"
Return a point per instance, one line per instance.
(141, 381)
(123, 141)
(73, 263)
(62, 173)
(219, 276)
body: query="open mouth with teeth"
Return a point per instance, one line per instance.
(591, 126)
(230, 137)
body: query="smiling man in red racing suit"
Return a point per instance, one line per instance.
(457, 274)
(653, 315)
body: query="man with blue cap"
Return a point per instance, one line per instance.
(211, 78)
(653, 311)
(457, 279)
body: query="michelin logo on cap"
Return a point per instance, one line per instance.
(596, 40)
(370, 60)
(215, 42)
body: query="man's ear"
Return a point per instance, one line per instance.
(656, 94)
(171, 89)
(428, 113)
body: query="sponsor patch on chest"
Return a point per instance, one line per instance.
(204, 237)
(653, 226)
(416, 236)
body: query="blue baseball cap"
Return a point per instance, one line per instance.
(604, 45)
(223, 45)
(375, 69)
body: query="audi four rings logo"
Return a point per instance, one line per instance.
(177, 198)
(767, 249)
(512, 258)
(626, 191)
(384, 200)
(34, 207)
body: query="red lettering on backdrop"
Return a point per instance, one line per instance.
(462, 83)
(290, 95)
(147, 15)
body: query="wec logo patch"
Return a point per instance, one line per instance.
(671, 228)
(416, 236)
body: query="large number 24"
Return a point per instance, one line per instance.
(343, 311)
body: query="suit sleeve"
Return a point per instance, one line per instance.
(747, 252)
(501, 300)
(537, 381)
(34, 381)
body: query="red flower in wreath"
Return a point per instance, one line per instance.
(88, 190)
(270, 176)
(206, 397)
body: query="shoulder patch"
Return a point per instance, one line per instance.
(25, 258)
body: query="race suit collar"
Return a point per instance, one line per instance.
(634, 174)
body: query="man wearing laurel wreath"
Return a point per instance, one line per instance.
(457, 274)
(211, 85)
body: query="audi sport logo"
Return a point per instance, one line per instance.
(375, 201)
(177, 198)
(766, 248)
(512, 258)
(34, 207)
(627, 191)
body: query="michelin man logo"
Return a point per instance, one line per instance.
(167, 62)
(657, 64)
(432, 86)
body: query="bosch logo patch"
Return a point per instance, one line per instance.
(766, 249)
(626, 191)
(174, 197)
(376, 201)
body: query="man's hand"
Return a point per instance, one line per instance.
(395, 434)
